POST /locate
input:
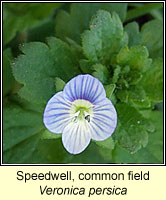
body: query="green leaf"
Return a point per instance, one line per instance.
(105, 148)
(34, 150)
(49, 135)
(8, 78)
(37, 10)
(132, 30)
(59, 84)
(122, 83)
(109, 89)
(75, 48)
(25, 140)
(122, 95)
(22, 152)
(157, 14)
(116, 74)
(108, 143)
(132, 134)
(138, 97)
(73, 24)
(85, 66)
(155, 145)
(101, 72)
(65, 61)
(13, 24)
(39, 66)
(137, 57)
(152, 37)
(19, 17)
(105, 37)
(45, 28)
(49, 151)
(152, 153)
(26, 105)
(125, 69)
(19, 124)
(35, 70)
(142, 10)
(134, 77)
(153, 81)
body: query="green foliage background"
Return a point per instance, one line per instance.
(46, 44)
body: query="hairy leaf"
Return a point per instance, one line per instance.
(105, 37)
(46, 134)
(19, 124)
(132, 30)
(35, 150)
(73, 24)
(101, 72)
(105, 148)
(60, 84)
(137, 57)
(39, 66)
(8, 79)
(152, 153)
(109, 89)
(132, 134)
(153, 81)
(152, 37)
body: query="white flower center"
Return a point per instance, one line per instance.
(81, 110)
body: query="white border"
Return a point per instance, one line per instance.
(92, 163)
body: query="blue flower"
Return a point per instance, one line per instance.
(81, 112)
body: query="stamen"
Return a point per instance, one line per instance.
(75, 119)
(87, 118)
(81, 110)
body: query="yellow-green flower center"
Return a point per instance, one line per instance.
(81, 110)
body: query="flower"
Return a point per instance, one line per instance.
(81, 112)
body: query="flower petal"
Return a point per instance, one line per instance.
(104, 120)
(56, 113)
(84, 87)
(76, 137)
